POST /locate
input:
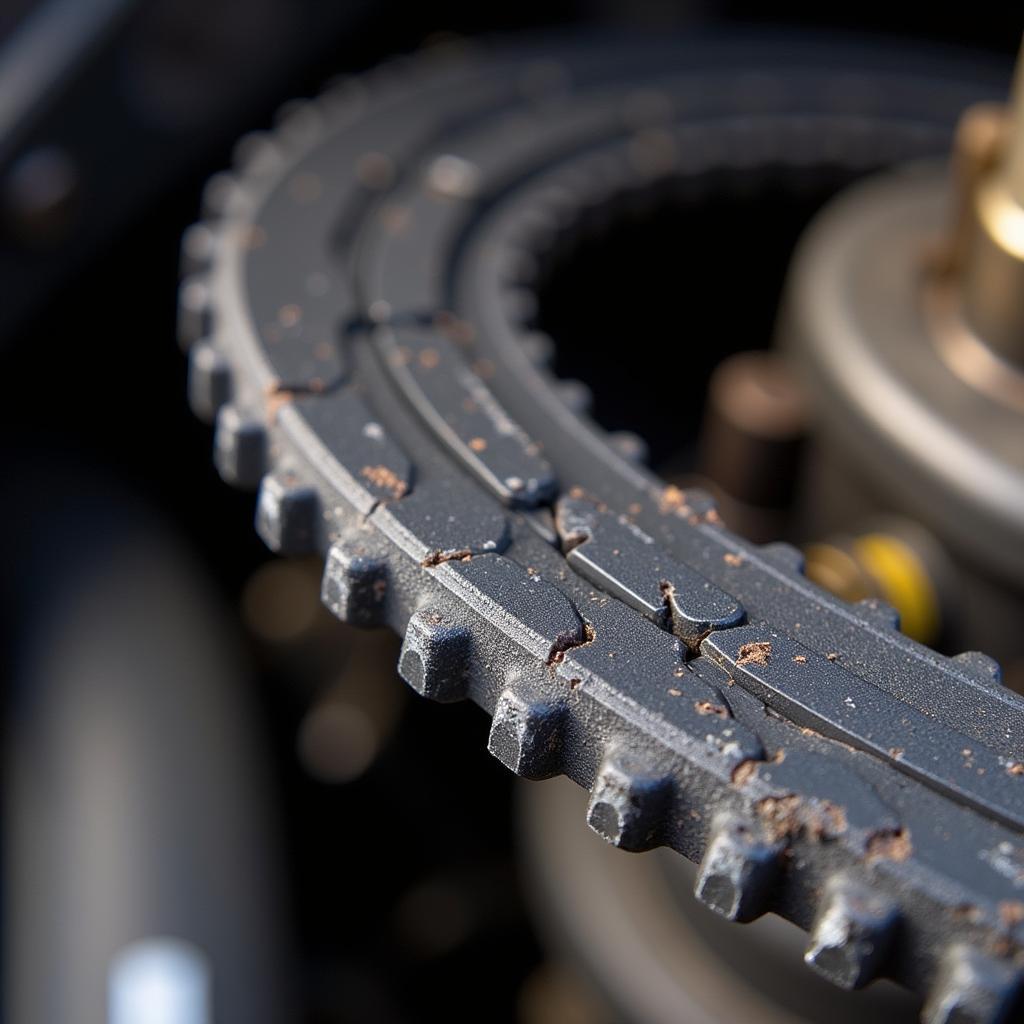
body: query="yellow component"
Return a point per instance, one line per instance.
(836, 570)
(903, 582)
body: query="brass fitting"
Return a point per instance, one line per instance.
(989, 247)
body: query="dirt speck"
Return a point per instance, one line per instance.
(277, 397)
(673, 692)
(705, 707)
(744, 772)
(832, 656)
(888, 844)
(756, 653)
(968, 912)
(1011, 913)
(436, 558)
(1015, 768)
(800, 659)
(788, 817)
(673, 502)
(730, 558)
(429, 358)
(385, 479)
(478, 444)
(289, 315)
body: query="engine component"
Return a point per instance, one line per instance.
(358, 303)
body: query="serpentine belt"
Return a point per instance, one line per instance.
(358, 299)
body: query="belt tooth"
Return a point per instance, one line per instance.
(434, 655)
(783, 556)
(630, 446)
(209, 381)
(287, 515)
(851, 935)
(195, 310)
(627, 804)
(218, 194)
(879, 612)
(981, 667)
(355, 585)
(198, 248)
(239, 448)
(972, 988)
(526, 735)
(574, 395)
(738, 871)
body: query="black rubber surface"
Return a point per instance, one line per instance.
(359, 300)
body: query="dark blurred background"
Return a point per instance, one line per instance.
(393, 893)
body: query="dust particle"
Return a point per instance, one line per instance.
(278, 396)
(436, 558)
(788, 817)
(705, 707)
(730, 558)
(478, 444)
(889, 844)
(756, 653)
(1011, 913)
(386, 479)
(673, 501)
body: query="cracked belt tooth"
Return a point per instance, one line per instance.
(239, 448)
(354, 586)
(195, 313)
(851, 935)
(526, 735)
(627, 804)
(209, 381)
(434, 655)
(287, 515)
(738, 871)
(972, 988)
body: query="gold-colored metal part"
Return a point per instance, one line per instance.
(988, 249)
(980, 140)
(833, 567)
(879, 565)
(964, 352)
(903, 581)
